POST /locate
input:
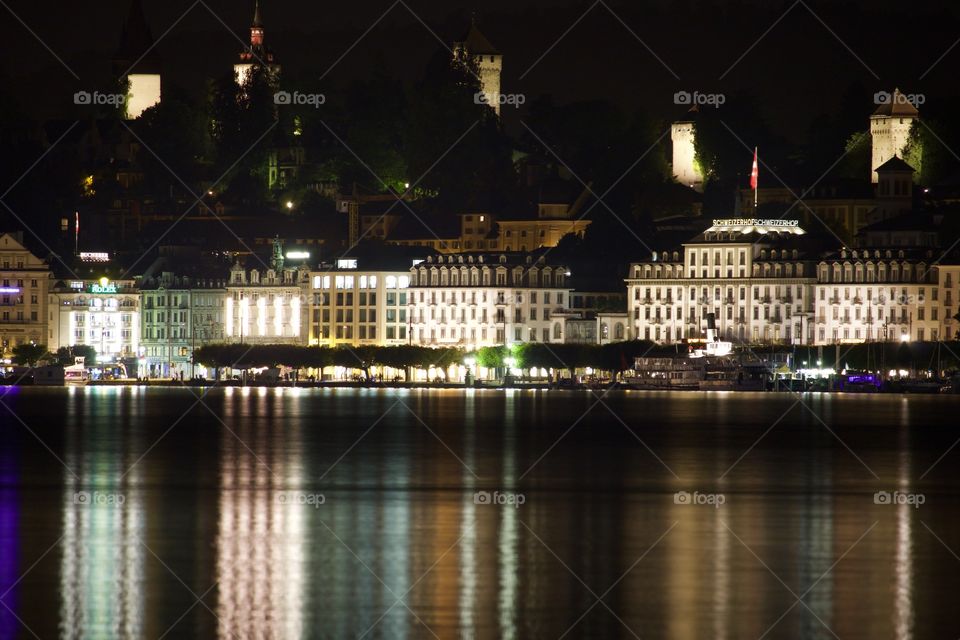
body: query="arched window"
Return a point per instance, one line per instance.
(618, 331)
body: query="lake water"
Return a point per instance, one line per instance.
(288, 513)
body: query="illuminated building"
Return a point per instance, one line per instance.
(483, 299)
(883, 294)
(359, 301)
(263, 305)
(749, 273)
(103, 314)
(24, 282)
(179, 314)
(762, 287)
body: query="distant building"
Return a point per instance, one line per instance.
(487, 59)
(890, 129)
(263, 306)
(750, 274)
(178, 315)
(683, 136)
(25, 281)
(257, 54)
(360, 301)
(760, 284)
(100, 313)
(473, 300)
(882, 294)
(137, 63)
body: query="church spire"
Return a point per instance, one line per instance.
(256, 29)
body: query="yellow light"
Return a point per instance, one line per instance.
(104, 281)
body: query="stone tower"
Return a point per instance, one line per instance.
(890, 129)
(137, 64)
(682, 134)
(256, 54)
(488, 60)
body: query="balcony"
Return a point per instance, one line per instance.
(857, 300)
(647, 300)
(729, 300)
(834, 300)
(765, 299)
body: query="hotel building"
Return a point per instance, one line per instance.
(751, 274)
(103, 314)
(480, 299)
(762, 287)
(884, 294)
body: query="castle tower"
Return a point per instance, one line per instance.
(137, 64)
(256, 54)
(488, 60)
(890, 129)
(683, 134)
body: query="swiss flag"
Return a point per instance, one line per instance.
(755, 171)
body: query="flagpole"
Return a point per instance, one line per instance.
(756, 189)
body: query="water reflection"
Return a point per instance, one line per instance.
(262, 537)
(102, 557)
(399, 520)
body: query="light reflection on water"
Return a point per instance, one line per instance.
(400, 549)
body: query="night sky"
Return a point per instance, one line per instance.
(797, 70)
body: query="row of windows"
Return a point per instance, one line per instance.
(360, 282)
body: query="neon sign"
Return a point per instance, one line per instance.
(103, 288)
(754, 222)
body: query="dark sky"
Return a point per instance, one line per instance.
(801, 67)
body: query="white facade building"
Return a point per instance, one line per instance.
(103, 314)
(884, 294)
(476, 300)
(749, 273)
(756, 280)
(264, 306)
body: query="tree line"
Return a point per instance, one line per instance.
(613, 357)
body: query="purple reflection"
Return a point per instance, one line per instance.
(9, 545)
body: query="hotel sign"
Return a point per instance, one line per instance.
(103, 288)
(754, 222)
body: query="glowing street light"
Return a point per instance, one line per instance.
(289, 204)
